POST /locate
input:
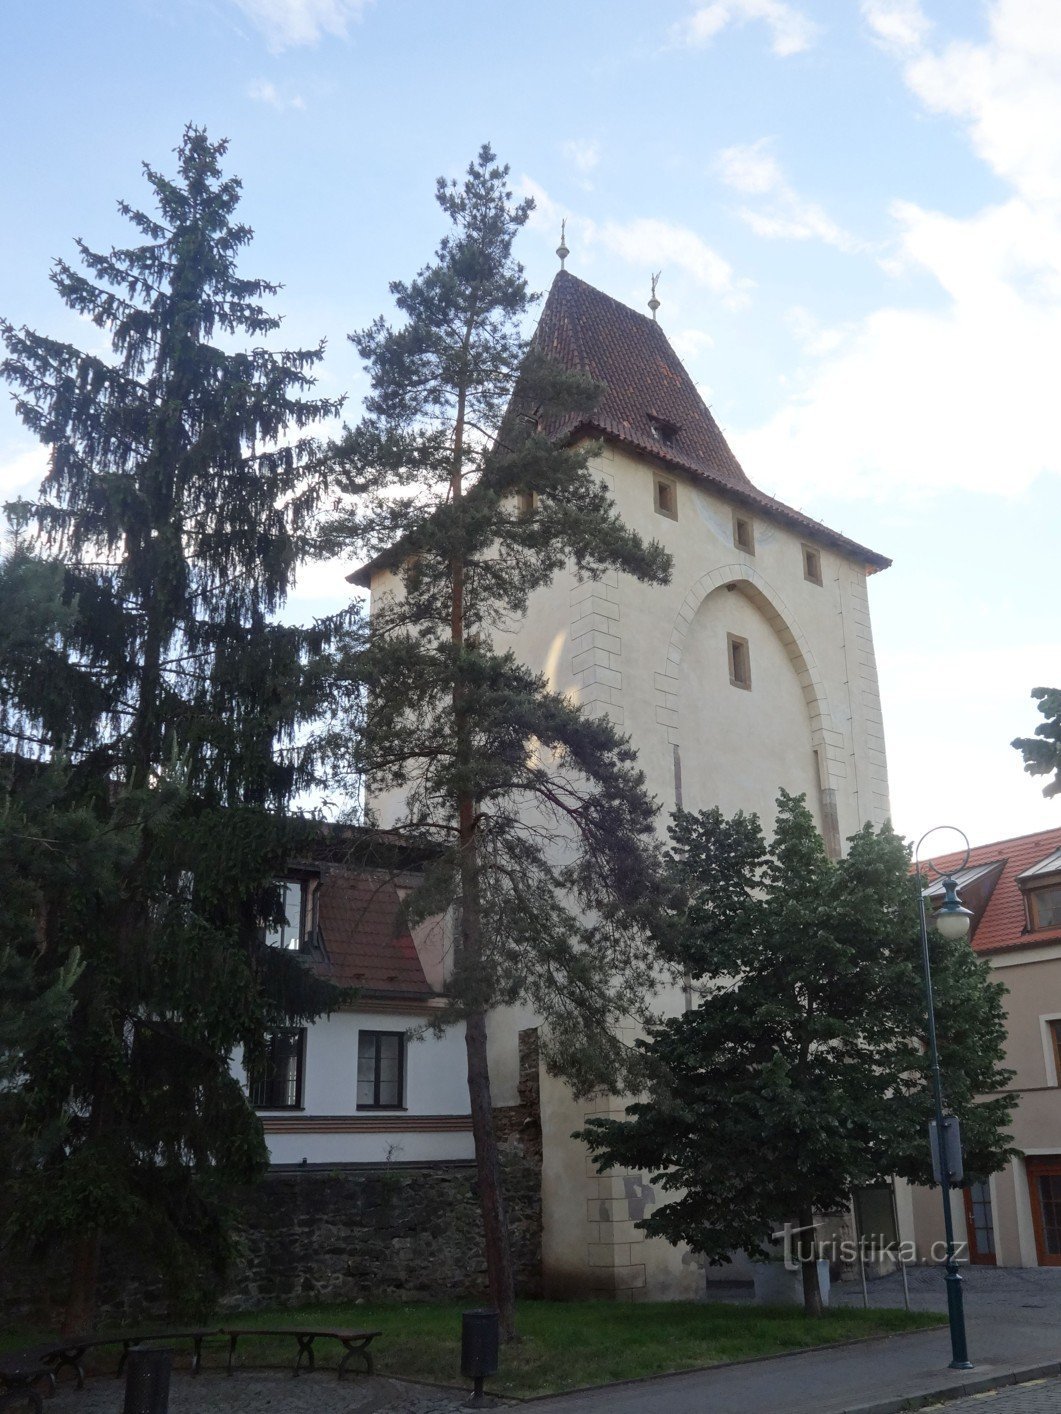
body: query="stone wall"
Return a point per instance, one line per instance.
(411, 1232)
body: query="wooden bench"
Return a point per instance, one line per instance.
(353, 1342)
(69, 1353)
(18, 1376)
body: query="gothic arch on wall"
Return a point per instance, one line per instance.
(826, 741)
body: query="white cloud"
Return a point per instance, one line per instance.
(264, 92)
(289, 23)
(752, 169)
(647, 242)
(582, 153)
(959, 394)
(791, 31)
(900, 24)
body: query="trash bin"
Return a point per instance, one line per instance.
(480, 1346)
(147, 1373)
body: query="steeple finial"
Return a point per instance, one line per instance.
(653, 303)
(562, 250)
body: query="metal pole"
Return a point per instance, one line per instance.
(955, 1304)
(906, 1284)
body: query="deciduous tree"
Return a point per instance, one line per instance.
(801, 1072)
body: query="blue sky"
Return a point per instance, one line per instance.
(855, 204)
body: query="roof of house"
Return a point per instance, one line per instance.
(1003, 923)
(647, 392)
(366, 940)
(648, 389)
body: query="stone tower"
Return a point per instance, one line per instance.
(753, 669)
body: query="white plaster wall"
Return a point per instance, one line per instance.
(435, 1080)
(386, 1147)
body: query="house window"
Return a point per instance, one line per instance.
(666, 496)
(525, 501)
(812, 564)
(380, 1070)
(278, 1085)
(744, 534)
(292, 930)
(740, 663)
(979, 1222)
(1054, 1028)
(1044, 907)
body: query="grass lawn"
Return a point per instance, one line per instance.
(568, 1344)
(564, 1345)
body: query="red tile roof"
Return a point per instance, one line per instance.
(645, 383)
(1004, 920)
(366, 939)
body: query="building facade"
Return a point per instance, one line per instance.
(753, 669)
(1013, 1218)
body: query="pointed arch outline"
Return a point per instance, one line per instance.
(826, 739)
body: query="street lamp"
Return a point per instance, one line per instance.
(952, 923)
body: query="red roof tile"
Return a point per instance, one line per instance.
(1004, 920)
(646, 384)
(367, 942)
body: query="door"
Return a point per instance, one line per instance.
(980, 1223)
(1044, 1186)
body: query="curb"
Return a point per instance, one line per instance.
(747, 1360)
(959, 1390)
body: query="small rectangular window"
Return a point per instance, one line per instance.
(666, 495)
(812, 564)
(525, 501)
(740, 666)
(380, 1070)
(744, 534)
(278, 1085)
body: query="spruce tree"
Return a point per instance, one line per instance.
(801, 1073)
(543, 827)
(151, 706)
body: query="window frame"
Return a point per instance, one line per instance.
(734, 641)
(812, 564)
(270, 1080)
(377, 1036)
(1031, 891)
(1038, 1166)
(747, 523)
(661, 481)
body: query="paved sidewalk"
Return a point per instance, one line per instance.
(1034, 1397)
(266, 1392)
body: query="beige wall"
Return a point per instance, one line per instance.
(654, 659)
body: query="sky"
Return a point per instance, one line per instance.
(855, 206)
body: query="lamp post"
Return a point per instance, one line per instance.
(952, 923)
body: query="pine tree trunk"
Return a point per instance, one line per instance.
(812, 1295)
(499, 1272)
(80, 1313)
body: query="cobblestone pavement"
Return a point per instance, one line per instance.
(1035, 1397)
(267, 1392)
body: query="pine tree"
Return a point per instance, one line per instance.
(541, 817)
(151, 707)
(1042, 752)
(801, 1073)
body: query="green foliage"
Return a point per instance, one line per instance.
(544, 829)
(150, 710)
(801, 1072)
(1042, 752)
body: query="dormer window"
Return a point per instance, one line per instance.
(663, 430)
(1041, 887)
(297, 929)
